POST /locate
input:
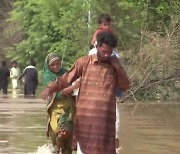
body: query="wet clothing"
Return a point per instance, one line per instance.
(96, 104)
(4, 76)
(30, 75)
(61, 110)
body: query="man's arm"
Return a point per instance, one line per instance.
(122, 79)
(62, 82)
(24, 72)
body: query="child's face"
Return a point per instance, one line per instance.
(55, 66)
(14, 65)
(105, 25)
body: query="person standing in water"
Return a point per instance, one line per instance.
(100, 74)
(14, 74)
(30, 75)
(60, 107)
(4, 77)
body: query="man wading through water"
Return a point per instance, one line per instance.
(100, 74)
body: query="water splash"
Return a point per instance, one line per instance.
(45, 149)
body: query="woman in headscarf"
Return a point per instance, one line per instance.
(60, 107)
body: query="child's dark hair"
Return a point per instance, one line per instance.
(104, 17)
(107, 38)
(13, 62)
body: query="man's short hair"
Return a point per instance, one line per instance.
(107, 38)
(104, 17)
(32, 62)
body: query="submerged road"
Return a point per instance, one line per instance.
(21, 103)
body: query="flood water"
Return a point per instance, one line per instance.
(150, 129)
(145, 128)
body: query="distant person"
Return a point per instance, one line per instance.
(30, 75)
(14, 74)
(60, 108)
(4, 77)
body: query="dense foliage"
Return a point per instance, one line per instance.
(147, 31)
(49, 26)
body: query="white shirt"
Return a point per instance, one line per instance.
(94, 51)
(14, 72)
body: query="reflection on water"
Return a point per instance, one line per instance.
(145, 129)
(21, 131)
(150, 129)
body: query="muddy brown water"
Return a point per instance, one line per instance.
(151, 128)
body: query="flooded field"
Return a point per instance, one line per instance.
(145, 128)
(150, 129)
(22, 129)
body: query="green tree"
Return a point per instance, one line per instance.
(147, 31)
(49, 26)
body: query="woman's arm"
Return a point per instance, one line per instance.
(69, 90)
(73, 74)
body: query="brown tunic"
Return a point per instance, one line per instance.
(95, 115)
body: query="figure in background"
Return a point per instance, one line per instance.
(30, 75)
(60, 107)
(4, 77)
(100, 74)
(14, 74)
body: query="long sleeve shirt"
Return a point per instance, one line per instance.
(96, 104)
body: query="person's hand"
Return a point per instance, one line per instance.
(65, 92)
(46, 93)
(115, 61)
